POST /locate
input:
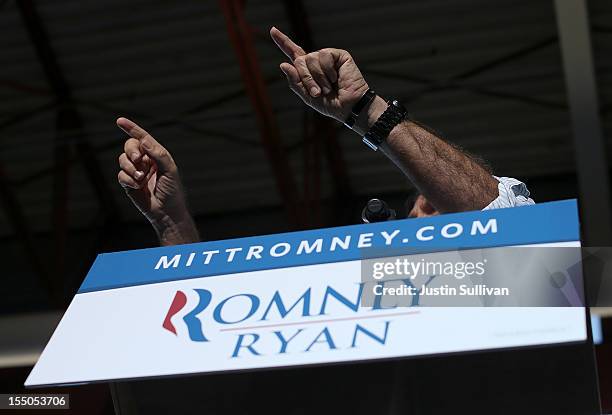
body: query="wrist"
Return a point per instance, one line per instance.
(176, 228)
(369, 115)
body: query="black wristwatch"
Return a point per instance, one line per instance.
(363, 102)
(378, 133)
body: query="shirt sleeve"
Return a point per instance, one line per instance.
(512, 193)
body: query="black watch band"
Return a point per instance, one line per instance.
(363, 102)
(378, 133)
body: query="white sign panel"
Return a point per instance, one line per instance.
(291, 299)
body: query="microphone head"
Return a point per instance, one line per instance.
(377, 210)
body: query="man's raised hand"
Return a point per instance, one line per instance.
(151, 180)
(327, 80)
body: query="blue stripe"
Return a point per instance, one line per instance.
(542, 223)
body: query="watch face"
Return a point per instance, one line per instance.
(399, 105)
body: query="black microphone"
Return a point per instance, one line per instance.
(377, 210)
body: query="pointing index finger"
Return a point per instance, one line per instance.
(132, 129)
(285, 44)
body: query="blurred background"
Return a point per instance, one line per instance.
(520, 83)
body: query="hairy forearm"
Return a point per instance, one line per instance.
(176, 230)
(450, 179)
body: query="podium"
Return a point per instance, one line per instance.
(282, 323)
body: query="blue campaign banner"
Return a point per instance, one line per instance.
(541, 223)
(298, 299)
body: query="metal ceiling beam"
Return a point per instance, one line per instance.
(113, 144)
(242, 41)
(26, 115)
(312, 171)
(509, 57)
(432, 85)
(601, 29)
(63, 93)
(23, 233)
(589, 145)
(311, 148)
(21, 87)
(324, 129)
(457, 81)
(61, 187)
(296, 12)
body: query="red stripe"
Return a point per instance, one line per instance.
(180, 299)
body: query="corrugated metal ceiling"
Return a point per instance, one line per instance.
(161, 62)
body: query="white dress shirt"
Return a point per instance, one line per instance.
(512, 193)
